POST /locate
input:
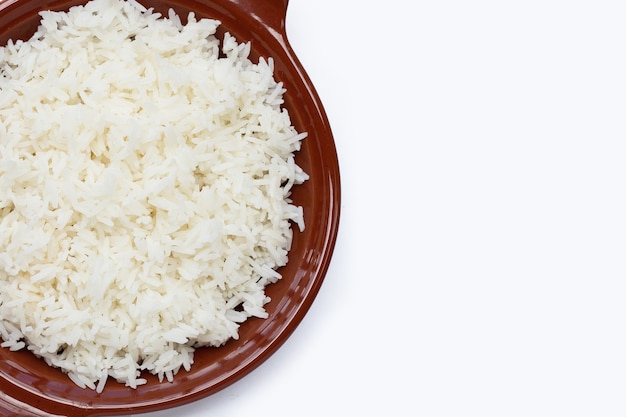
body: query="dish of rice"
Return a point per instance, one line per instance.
(146, 168)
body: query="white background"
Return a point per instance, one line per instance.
(480, 268)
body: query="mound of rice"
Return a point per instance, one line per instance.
(145, 174)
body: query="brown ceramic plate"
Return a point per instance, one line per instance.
(28, 387)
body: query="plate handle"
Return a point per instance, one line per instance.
(269, 13)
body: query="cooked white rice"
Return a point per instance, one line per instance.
(145, 174)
